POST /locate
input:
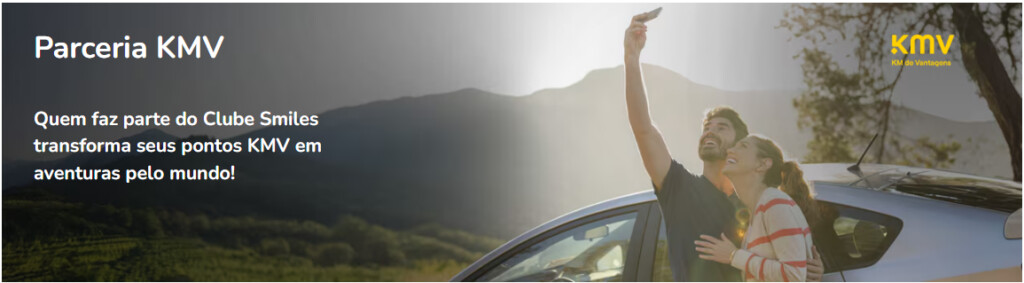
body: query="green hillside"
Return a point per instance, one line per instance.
(59, 241)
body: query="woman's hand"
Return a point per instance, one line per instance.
(715, 249)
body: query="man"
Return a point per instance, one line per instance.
(692, 205)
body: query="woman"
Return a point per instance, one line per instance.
(777, 243)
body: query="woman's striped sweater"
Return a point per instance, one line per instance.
(777, 243)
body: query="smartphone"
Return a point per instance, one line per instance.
(652, 14)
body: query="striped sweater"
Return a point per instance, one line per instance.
(777, 243)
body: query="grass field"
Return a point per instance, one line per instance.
(57, 241)
(185, 259)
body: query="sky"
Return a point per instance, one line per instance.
(317, 57)
(727, 46)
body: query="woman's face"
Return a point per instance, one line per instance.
(742, 159)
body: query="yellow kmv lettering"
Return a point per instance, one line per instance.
(919, 42)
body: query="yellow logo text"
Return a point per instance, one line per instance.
(918, 43)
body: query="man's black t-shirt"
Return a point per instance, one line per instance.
(692, 206)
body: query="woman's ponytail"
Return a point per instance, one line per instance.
(794, 185)
(788, 177)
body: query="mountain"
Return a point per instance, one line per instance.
(483, 162)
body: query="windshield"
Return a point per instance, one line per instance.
(967, 191)
(592, 252)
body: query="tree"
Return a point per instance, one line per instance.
(332, 254)
(150, 224)
(274, 247)
(374, 245)
(845, 107)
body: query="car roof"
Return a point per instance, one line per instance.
(836, 173)
(934, 184)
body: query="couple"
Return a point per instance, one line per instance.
(710, 236)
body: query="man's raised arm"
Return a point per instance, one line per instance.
(653, 150)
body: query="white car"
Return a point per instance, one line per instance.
(890, 223)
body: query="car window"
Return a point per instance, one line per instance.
(852, 238)
(594, 251)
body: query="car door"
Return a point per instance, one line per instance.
(600, 247)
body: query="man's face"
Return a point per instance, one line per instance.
(717, 137)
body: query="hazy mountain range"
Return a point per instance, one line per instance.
(484, 162)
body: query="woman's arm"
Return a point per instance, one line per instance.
(790, 240)
(776, 270)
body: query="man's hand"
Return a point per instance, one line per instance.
(636, 34)
(814, 267)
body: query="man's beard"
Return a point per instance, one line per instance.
(717, 153)
(712, 154)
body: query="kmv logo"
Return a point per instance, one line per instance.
(921, 40)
